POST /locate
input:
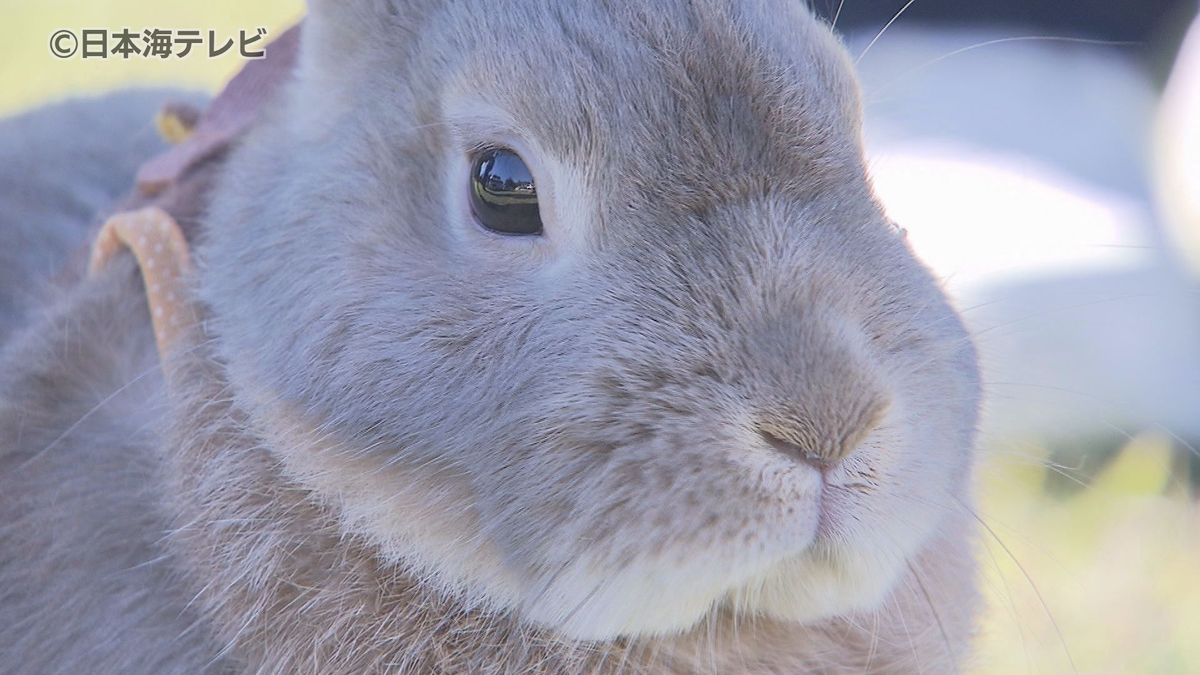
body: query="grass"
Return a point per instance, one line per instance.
(31, 74)
(1109, 575)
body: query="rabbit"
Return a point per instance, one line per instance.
(534, 337)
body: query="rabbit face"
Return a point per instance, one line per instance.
(715, 377)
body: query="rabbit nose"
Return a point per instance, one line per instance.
(794, 451)
(816, 390)
(823, 441)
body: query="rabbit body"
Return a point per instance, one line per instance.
(716, 418)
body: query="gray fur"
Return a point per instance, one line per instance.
(405, 444)
(85, 586)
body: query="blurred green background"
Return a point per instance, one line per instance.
(32, 75)
(1100, 579)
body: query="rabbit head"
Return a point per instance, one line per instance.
(711, 375)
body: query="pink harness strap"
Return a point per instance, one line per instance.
(161, 252)
(172, 188)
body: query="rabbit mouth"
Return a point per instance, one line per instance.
(840, 538)
(806, 568)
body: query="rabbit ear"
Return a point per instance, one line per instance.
(342, 26)
(342, 41)
(358, 21)
(352, 12)
(340, 35)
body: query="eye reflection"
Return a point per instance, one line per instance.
(503, 195)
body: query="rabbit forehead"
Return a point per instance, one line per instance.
(651, 94)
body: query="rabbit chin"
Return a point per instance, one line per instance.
(657, 599)
(793, 575)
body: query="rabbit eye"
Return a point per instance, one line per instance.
(503, 196)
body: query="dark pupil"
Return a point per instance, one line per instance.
(503, 196)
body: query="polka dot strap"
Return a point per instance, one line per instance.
(161, 252)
